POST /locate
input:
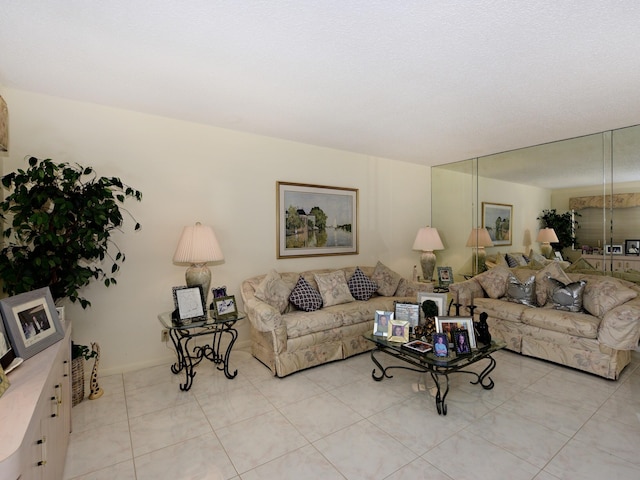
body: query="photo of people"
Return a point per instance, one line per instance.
(35, 324)
(381, 324)
(440, 345)
(461, 342)
(399, 330)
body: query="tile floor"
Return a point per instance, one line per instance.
(541, 421)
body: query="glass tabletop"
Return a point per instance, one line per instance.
(167, 322)
(429, 358)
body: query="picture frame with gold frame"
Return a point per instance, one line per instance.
(398, 331)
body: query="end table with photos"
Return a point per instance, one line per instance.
(223, 336)
(420, 360)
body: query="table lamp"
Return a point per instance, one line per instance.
(478, 239)
(547, 236)
(198, 245)
(428, 240)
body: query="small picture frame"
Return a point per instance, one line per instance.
(558, 256)
(418, 346)
(448, 325)
(613, 250)
(32, 322)
(225, 307)
(398, 331)
(7, 354)
(445, 276)
(440, 345)
(189, 304)
(381, 323)
(407, 311)
(219, 292)
(440, 300)
(632, 247)
(4, 382)
(461, 342)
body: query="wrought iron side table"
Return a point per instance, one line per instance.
(191, 356)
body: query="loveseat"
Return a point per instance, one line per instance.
(588, 322)
(300, 320)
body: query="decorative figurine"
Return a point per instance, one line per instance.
(96, 391)
(483, 329)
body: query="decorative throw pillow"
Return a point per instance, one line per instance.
(305, 297)
(603, 295)
(567, 296)
(386, 279)
(274, 291)
(333, 288)
(511, 261)
(554, 270)
(494, 281)
(579, 265)
(522, 292)
(516, 260)
(538, 258)
(501, 260)
(361, 286)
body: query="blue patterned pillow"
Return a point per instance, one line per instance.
(305, 297)
(511, 261)
(361, 286)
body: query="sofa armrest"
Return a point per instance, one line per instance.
(262, 316)
(620, 327)
(464, 291)
(409, 288)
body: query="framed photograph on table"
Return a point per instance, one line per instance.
(225, 307)
(445, 276)
(461, 342)
(448, 325)
(32, 322)
(189, 305)
(632, 247)
(440, 299)
(315, 220)
(497, 219)
(407, 311)
(398, 331)
(440, 345)
(381, 324)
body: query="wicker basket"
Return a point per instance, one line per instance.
(77, 381)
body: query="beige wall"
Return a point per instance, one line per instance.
(189, 172)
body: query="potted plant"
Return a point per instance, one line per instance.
(564, 224)
(58, 220)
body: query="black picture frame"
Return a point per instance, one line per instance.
(225, 307)
(7, 355)
(189, 304)
(632, 247)
(31, 319)
(440, 345)
(461, 342)
(219, 292)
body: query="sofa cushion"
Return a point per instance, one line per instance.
(494, 281)
(333, 288)
(553, 270)
(516, 259)
(522, 292)
(604, 295)
(386, 279)
(305, 297)
(570, 323)
(361, 286)
(496, 308)
(300, 323)
(566, 297)
(274, 291)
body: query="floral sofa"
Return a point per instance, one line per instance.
(588, 322)
(300, 320)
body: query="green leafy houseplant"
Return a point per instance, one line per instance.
(564, 224)
(58, 221)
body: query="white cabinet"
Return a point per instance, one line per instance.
(35, 415)
(614, 263)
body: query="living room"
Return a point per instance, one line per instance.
(224, 174)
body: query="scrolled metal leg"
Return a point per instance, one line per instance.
(234, 336)
(484, 375)
(380, 367)
(441, 406)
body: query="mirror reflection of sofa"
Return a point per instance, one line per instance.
(585, 321)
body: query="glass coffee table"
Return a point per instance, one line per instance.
(438, 367)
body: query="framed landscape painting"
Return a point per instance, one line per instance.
(497, 219)
(316, 220)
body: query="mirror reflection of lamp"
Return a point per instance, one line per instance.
(547, 236)
(478, 239)
(428, 240)
(198, 245)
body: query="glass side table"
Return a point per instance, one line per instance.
(190, 356)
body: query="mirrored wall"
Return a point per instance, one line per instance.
(596, 176)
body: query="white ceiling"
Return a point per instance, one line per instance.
(423, 81)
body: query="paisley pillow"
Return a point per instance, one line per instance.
(333, 288)
(386, 279)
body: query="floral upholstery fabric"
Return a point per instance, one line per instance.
(386, 279)
(543, 286)
(571, 323)
(494, 281)
(274, 291)
(333, 288)
(361, 286)
(607, 294)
